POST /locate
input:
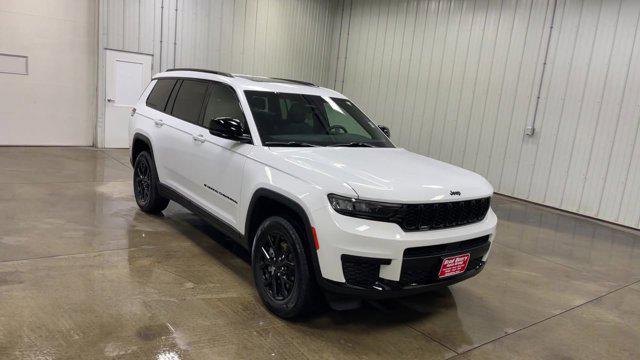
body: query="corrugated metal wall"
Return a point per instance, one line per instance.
(276, 38)
(456, 80)
(286, 38)
(587, 153)
(459, 81)
(131, 24)
(283, 38)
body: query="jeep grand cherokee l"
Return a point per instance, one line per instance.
(310, 186)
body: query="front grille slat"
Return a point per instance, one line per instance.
(436, 250)
(413, 217)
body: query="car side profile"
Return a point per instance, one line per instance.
(318, 194)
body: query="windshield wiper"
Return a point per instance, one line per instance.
(289, 143)
(355, 144)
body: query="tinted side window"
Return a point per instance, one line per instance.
(160, 94)
(223, 102)
(189, 100)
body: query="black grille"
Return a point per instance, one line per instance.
(412, 217)
(362, 271)
(442, 249)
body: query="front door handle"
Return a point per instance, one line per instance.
(198, 138)
(111, 100)
(158, 122)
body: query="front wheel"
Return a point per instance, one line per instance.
(280, 268)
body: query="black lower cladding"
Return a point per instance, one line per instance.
(420, 265)
(362, 271)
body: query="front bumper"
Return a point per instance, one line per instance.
(393, 291)
(367, 258)
(420, 267)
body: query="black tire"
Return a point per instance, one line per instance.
(283, 279)
(145, 185)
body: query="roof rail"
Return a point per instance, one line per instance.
(221, 73)
(297, 81)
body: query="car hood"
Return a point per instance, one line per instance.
(385, 174)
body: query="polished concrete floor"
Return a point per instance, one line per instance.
(85, 274)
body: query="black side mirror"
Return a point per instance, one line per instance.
(228, 128)
(385, 130)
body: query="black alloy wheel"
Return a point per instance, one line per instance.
(280, 268)
(277, 265)
(145, 185)
(142, 181)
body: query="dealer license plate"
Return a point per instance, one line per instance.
(453, 265)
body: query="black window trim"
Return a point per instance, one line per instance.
(206, 102)
(172, 98)
(208, 95)
(174, 95)
(168, 109)
(164, 107)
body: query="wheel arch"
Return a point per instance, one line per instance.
(265, 199)
(140, 143)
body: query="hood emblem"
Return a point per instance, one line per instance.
(454, 193)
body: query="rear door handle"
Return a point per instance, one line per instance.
(158, 122)
(198, 138)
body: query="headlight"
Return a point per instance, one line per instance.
(363, 208)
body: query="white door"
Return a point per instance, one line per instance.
(127, 75)
(220, 162)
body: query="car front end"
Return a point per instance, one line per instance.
(386, 221)
(407, 253)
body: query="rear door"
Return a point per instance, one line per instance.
(179, 146)
(155, 113)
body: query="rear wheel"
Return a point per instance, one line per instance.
(280, 268)
(145, 185)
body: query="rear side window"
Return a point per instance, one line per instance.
(160, 94)
(189, 100)
(223, 102)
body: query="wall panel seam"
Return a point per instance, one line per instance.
(564, 187)
(562, 108)
(624, 88)
(598, 115)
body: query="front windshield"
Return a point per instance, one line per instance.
(310, 120)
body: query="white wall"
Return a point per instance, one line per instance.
(55, 103)
(459, 81)
(283, 38)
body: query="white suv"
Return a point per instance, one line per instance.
(302, 179)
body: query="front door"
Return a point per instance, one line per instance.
(127, 75)
(220, 162)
